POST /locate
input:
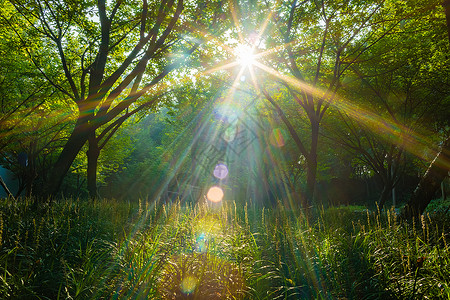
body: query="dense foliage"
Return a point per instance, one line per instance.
(100, 96)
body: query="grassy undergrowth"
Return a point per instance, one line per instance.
(116, 250)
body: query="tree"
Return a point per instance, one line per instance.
(319, 42)
(397, 88)
(429, 184)
(161, 160)
(438, 169)
(33, 120)
(110, 55)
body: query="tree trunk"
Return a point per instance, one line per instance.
(73, 146)
(312, 165)
(92, 155)
(429, 184)
(384, 195)
(311, 173)
(443, 191)
(30, 177)
(446, 5)
(5, 187)
(30, 171)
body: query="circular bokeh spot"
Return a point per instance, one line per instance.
(226, 112)
(220, 171)
(201, 243)
(215, 194)
(230, 134)
(188, 284)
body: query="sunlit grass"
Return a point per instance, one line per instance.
(118, 250)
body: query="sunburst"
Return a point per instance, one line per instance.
(245, 55)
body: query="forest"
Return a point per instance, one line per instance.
(224, 149)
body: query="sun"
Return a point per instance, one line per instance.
(245, 56)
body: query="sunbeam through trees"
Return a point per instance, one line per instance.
(224, 149)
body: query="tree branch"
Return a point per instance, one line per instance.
(288, 124)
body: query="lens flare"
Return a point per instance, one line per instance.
(220, 171)
(277, 137)
(215, 194)
(227, 113)
(201, 243)
(230, 133)
(188, 284)
(244, 55)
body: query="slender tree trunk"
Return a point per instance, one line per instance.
(312, 165)
(384, 194)
(388, 180)
(394, 195)
(429, 184)
(446, 5)
(92, 155)
(76, 140)
(443, 190)
(311, 174)
(30, 177)
(30, 170)
(5, 187)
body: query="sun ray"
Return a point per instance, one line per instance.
(398, 134)
(388, 129)
(236, 21)
(291, 80)
(209, 37)
(272, 50)
(225, 66)
(264, 25)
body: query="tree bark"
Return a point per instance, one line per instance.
(384, 195)
(429, 184)
(389, 179)
(76, 141)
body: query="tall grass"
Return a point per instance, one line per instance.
(109, 249)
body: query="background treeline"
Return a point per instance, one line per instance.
(112, 99)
